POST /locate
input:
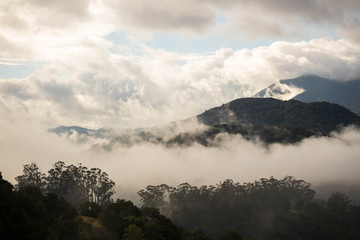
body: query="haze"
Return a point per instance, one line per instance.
(95, 63)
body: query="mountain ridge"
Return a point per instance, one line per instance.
(312, 88)
(267, 119)
(316, 116)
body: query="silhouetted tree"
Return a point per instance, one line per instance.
(27, 213)
(155, 196)
(339, 202)
(75, 183)
(249, 208)
(32, 177)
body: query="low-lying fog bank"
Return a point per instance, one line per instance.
(329, 164)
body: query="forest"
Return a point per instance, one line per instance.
(74, 202)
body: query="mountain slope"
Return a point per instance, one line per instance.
(313, 88)
(266, 119)
(319, 117)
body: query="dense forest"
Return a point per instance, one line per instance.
(43, 206)
(30, 212)
(264, 209)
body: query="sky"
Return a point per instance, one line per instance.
(141, 63)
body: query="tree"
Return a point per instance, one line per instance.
(89, 209)
(32, 177)
(159, 227)
(154, 196)
(133, 232)
(75, 183)
(299, 191)
(68, 182)
(263, 207)
(119, 215)
(339, 201)
(27, 213)
(102, 188)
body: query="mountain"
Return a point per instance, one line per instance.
(80, 131)
(71, 129)
(313, 88)
(318, 117)
(276, 121)
(266, 119)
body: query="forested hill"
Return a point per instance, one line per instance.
(266, 119)
(318, 117)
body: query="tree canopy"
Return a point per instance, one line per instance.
(77, 184)
(265, 209)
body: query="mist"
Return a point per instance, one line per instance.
(329, 164)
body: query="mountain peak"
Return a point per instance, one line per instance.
(321, 117)
(311, 88)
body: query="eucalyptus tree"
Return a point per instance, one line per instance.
(77, 184)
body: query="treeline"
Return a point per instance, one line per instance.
(265, 209)
(77, 184)
(38, 207)
(28, 214)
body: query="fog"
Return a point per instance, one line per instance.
(329, 164)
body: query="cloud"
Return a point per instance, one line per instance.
(165, 15)
(84, 81)
(27, 15)
(291, 19)
(351, 31)
(274, 18)
(158, 87)
(319, 160)
(13, 49)
(78, 9)
(38, 30)
(245, 19)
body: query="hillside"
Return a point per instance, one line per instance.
(266, 119)
(318, 117)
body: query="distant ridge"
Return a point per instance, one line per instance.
(314, 88)
(67, 129)
(267, 120)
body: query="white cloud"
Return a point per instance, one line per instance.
(158, 86)
(83, 83)
(317, 160)
(38, 30)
